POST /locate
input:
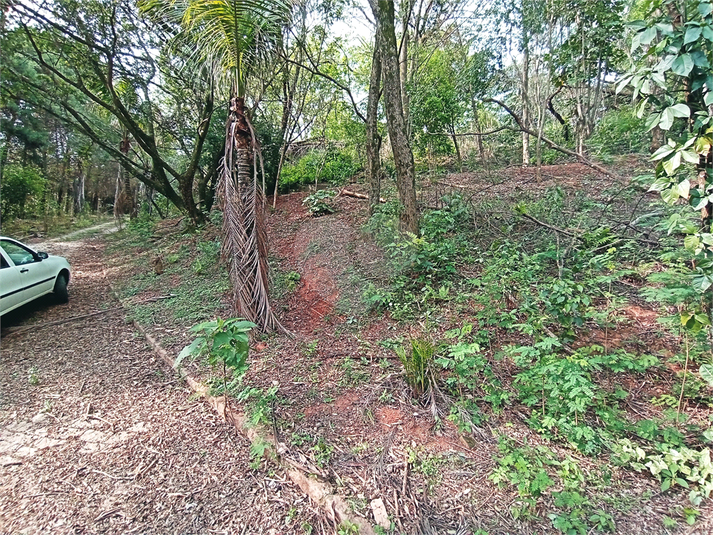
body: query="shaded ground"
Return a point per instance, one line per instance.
(97, 436)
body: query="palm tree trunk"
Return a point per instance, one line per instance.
(244, 240)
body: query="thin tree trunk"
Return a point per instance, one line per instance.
(79, 187)
(476, 128)
(403, 67)
(525, 104)
(383, 11)
(373, 138)
(455, 144)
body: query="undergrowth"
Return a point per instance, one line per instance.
(530, 289)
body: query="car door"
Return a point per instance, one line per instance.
(36, 277)
(10, 284)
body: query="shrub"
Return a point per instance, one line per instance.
(331, 166)
(620, 131)
(20, 186)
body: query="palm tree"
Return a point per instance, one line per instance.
(233, 38)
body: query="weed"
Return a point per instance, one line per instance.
(347, 528)
(353, 376)
(257, 452)
(386, 397)
(417, 363)
(33, 376)
(322, 452)
(222, 342)
(310, 348)
(319, 204)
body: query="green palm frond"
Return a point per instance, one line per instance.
(232, 36)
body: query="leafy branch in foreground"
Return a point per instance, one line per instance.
(223, 342)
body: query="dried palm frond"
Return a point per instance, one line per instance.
(244, 237)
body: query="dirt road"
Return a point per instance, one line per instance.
(98, 436)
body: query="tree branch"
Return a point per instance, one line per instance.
(551, 143)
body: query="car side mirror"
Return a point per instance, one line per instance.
(42, 256)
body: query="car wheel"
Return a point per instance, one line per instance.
(60, 289)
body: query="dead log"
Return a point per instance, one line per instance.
(350, 193)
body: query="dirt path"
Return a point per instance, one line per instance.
(97, 436)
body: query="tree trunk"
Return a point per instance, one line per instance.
(383, 11)
(454, 138)
(244, 238)
(403, 68)
(476, 128)
(525, 103)
(79, 183)
(373, 138)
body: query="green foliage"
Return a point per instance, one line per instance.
(222, 342)
(564, 395)
(331, 166)
(435, 103)
(681, 55)
(524, 468)
(318, 203)
(417, 362)
(469, 374)
(424, 266)
(21, 186)
(688, 468)
(536, 471)
(620, 131)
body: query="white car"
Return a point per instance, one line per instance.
(26, 275)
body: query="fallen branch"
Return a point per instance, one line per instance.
(16, 330)
(464, 134)
(551, 143)
(349, 193)
(551, 227)
(618, 240)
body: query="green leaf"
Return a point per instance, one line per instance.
(623, 83)
(707, 32)
(672, 164)
(690, 156)
(692, 34)
(648, 35)
(652, 121)
(705, 9)
(698, 203)
(667, 117)
(193, 349)
(703, 319)
(206, 325)
(706, 373)
(662, 152)
(669, 196)
(684, 188)
(701, 283)
(665, 485)
(682, 65)
(682, 482)
(680, 110)
(665, 63)
(691, 243)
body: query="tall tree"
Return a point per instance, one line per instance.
(234, 38)
(100, 60)
(384, 15)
